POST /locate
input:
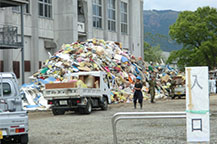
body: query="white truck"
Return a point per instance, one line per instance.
(180, 87)
(67, 97)
(13, 119)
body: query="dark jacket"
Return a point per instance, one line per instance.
(138, 93)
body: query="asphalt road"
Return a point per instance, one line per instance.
(73, 128)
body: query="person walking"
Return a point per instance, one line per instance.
(152, 86)
(137, 92)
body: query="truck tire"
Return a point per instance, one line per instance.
(87, 109)
(105, 104)
(58, 111)
(24, 139)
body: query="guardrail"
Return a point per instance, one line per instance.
(143, 115)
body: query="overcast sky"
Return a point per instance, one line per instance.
(178, 5)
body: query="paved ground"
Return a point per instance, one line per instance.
(73, 128)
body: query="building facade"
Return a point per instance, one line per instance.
(50, 23)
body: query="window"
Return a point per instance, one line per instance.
(16, 68)
(6, 88)
(1, 66)
(26, 8)
(27, 67)
(45, 8)
(111, 15)
(97, 13)
(39, 64)
(124, 17)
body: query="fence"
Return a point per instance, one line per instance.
(143, 115)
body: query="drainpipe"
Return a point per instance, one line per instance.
(22, 43)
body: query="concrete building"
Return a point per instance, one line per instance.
(50, 23)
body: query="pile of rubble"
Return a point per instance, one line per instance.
(99, 55)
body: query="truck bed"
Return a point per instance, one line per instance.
(71, 93)
(9, 121)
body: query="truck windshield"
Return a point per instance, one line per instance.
(6, 89)
(106, 81)
(179, 81)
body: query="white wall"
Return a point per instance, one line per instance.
(65, 21)
(112, 36)
(98, 33)
(46, 28)
(125, 41)
(43, 53)
(136, 31)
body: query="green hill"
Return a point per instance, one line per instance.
(156, 23)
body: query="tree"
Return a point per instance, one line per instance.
(153, 54)
(154, 39)
(197, 31)
(165, 42)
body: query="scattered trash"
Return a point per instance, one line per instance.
(33, 99)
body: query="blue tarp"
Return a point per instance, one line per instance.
(124, 59)
(50, 79)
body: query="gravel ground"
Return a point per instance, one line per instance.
(73, 128)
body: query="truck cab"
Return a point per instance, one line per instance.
(13, 119)
(180, 87)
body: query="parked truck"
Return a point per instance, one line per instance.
(13, 119)
(70, 97)
(180, 87)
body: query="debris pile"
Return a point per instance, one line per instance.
(121, 67)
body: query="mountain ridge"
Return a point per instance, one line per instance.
(157, 22)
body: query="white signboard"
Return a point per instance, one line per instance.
(197, 104)
(81, 27)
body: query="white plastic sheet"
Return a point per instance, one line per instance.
(34, 100)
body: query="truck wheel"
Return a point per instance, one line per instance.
(105, 104)
(88, 108)
(58, 112)
(24, 139)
